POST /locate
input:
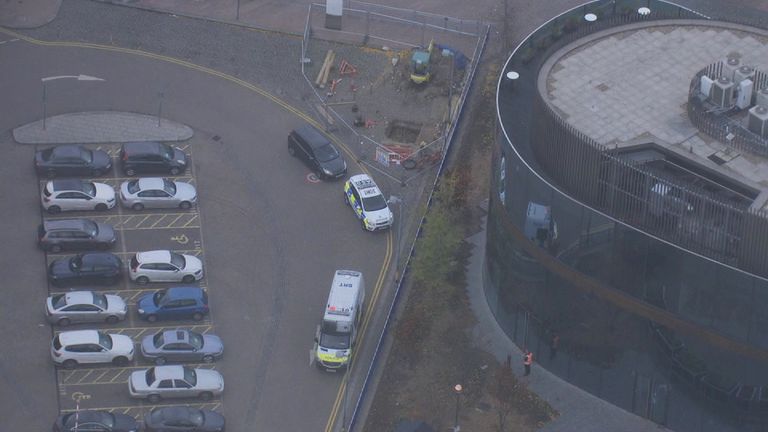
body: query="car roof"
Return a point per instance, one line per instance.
(312, 136)
(141, 147)
(151, 183)
(78, 337)
(100, 257)
(169, 372)
(171, 336)
(365, 185)
(176, 412)
(79, 297)
(184, 292)
(154, 256)
(67, 184)
(67, 150)
(65, 224)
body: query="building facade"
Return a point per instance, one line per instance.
(605, 290)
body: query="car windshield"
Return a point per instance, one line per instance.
(373, 203)
(196, 340)
(91, 228)
(105, 340)
(196, 417)
(133, 186)
(190, 376)
(100, 417)
(158, 297)
(89, 188)
(158, 340)
(178, 260)
(169, 187)
(100, 300)
(150, 376)
(334, 341)
(59, 301)
(326, 153)
(75, 262)
(166, 151)
(86, 155)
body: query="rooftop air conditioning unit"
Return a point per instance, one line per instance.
(744, 94)
(761, 98)
(729, 67)
(742, 73)
(757, 121)
(722, 92)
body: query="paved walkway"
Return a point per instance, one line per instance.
(579, 410)
(101, 127)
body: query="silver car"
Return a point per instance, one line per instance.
(181, 345)
(165, 266)
(84, 307)
(156, 192)
(161, 382)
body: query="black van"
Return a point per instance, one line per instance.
(317, 152)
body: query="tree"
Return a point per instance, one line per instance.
(506, 389)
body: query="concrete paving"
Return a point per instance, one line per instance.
(101, 127)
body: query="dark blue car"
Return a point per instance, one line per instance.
(174, 304)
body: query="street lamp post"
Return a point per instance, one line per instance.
(457, 389)
(53, 78)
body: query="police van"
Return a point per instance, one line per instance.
(336, 335)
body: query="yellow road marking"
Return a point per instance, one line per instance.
(369, 313)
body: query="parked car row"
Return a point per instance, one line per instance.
(149, 192)
(95, 266)
(72, 348)
(177, 303)
(105, 268)
(160, 419)
(135, 158)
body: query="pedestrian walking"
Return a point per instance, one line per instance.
(527, 361)
(554, 344)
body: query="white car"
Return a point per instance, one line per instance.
(368, 203)
(157, 192)
(165, 266)
(84, 307)
(175, 381)
(71, 348)
(76, 195)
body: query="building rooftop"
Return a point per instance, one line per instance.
(629, 86)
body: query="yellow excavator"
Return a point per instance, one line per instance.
(420, 68)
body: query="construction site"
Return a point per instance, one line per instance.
(392, 98)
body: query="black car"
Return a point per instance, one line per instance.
(152, 157)
(100, 421)
(317, 152)
(86, 268)
(183, 419)
(72, 160)
(57, 235)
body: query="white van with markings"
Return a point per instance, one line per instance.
(336, 335)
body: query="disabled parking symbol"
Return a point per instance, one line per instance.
(312, 178)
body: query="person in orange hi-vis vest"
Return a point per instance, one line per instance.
(527, 361)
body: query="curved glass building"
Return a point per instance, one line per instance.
(627, 240)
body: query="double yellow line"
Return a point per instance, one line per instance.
(388, 253)
(369, 313)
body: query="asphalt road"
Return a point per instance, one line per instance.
(269, 238)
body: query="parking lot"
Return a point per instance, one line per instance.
(105, 387)
(270, 239)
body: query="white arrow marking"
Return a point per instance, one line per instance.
(77, 77)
